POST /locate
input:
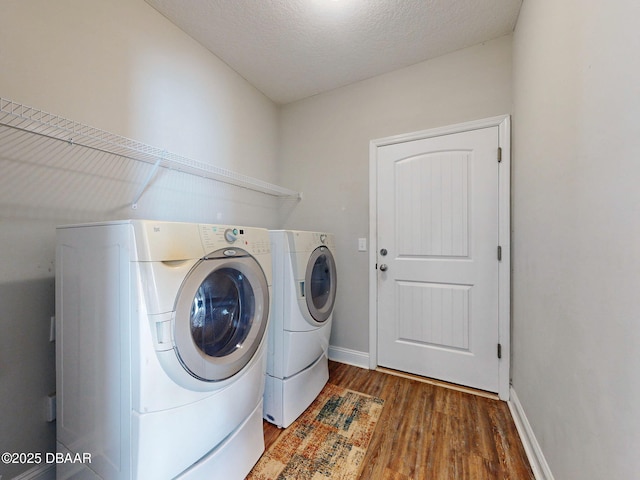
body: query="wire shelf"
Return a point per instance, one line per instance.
(46, 124)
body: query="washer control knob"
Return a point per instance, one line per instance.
(231, 235)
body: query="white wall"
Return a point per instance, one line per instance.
(122, 67)
(325, 152)
(576, 239)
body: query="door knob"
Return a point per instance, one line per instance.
(383, 267)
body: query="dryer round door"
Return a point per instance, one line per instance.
(221, 316)
(320, 284)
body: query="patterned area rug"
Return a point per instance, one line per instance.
(329, 440)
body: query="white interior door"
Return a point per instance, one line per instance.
(437, 240)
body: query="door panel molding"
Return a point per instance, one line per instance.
(504, 234)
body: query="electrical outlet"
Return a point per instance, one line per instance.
(50, 407)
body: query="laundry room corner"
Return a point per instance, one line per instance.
(119, 67)
(27, 355)
(325, 154)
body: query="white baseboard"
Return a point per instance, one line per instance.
(538, 463)
(351, 357)
(40, 472)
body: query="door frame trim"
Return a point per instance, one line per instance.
(503, 122)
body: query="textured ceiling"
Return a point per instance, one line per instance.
(292, 49)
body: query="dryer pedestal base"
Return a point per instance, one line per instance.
(286, 399)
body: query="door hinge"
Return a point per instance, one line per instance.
(499, 351)
(499, 154)
(499, 253)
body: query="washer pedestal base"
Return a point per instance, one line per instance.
(236, 456)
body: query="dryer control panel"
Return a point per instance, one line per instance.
(302, 241)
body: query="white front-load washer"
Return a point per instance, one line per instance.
(160, 349)
(304, 292)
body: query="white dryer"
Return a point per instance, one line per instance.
(160, 349)
(304, 292)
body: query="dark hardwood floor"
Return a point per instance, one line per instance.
(430, 432)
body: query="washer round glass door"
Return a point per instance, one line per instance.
(221, 315)
(320, 284)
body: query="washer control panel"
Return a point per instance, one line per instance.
(253, 240)
(231, 234)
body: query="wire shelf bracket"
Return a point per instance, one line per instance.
(32, 120)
